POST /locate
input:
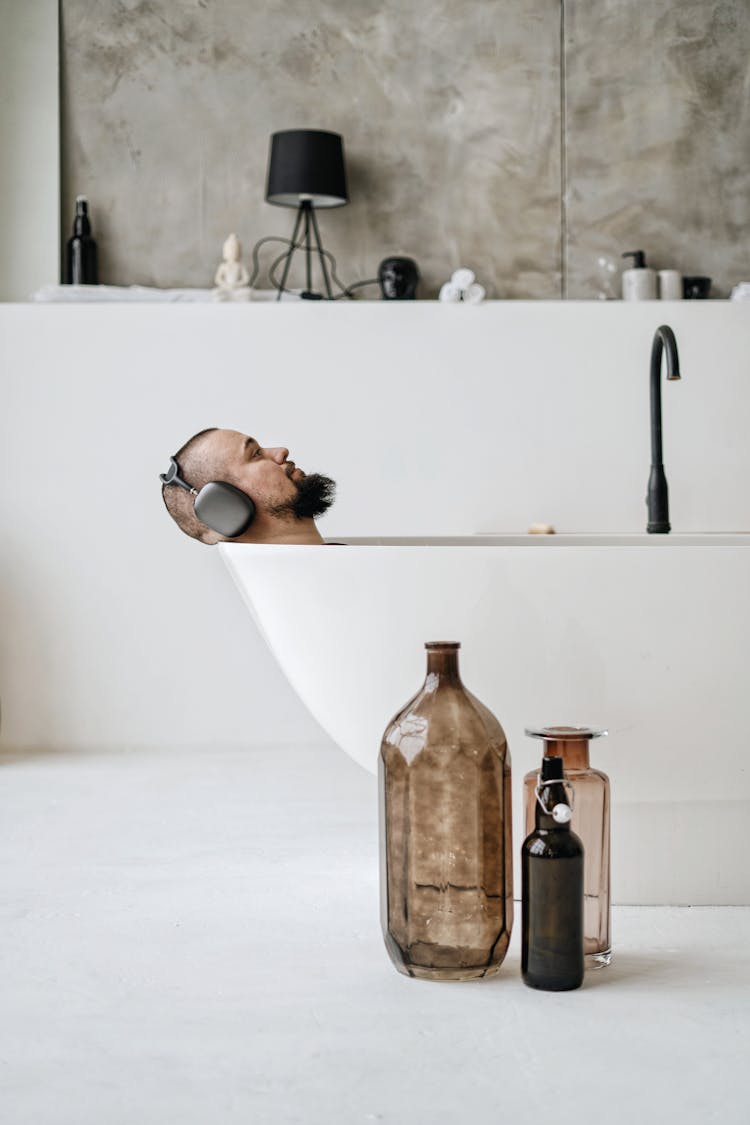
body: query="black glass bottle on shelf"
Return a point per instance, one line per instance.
(552, 891)
(80, 252)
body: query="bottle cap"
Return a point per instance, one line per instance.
(552, 774)
(639, 259)
(552, 769)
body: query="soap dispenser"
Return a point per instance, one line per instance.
(590, 789)
(639, 281)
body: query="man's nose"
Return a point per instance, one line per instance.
(279, 455)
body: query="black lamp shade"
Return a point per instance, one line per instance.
(306, 164)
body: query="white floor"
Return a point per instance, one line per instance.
(193, 937)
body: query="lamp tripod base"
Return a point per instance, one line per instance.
(310, 244)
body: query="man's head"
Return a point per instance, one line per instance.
(287, 501)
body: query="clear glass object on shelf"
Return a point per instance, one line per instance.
(445, 830)
(607, 279)
(590, 822)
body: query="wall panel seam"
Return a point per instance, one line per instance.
(563, 161)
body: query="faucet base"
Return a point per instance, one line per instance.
(659, 528)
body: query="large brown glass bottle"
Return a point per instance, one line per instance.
(590, 822)
(445, 830)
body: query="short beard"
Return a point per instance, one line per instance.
(315, 494)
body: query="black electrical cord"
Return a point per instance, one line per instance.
(346, 290)
(258, 244)
(356, 285)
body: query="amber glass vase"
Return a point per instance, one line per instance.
(445, 830)
(590, 822)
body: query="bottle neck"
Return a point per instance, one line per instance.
(550, 795)
(573, 751)
(81, 224)
(442, 666)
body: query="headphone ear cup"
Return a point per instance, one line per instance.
(224, 508)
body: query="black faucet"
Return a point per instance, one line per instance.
(658, 498)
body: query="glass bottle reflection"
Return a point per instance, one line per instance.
(591, 821)
(445, 830)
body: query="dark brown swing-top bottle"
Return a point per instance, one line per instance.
(552, 890)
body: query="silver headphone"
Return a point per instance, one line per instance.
(218, 505)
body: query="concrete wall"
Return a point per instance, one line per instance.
(525, 138)
(657, 122)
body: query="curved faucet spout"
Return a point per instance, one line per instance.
(658, 496)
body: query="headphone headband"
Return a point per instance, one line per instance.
(172, 476)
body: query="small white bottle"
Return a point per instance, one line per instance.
(670, 285)
(638, 282)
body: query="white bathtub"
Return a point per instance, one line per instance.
(645, 635)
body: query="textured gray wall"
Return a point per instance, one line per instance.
(522, 137)
(657, 128)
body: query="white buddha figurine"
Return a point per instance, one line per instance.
(232, 279)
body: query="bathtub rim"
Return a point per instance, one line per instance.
(499, 540)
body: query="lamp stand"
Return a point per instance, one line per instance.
(310, 243)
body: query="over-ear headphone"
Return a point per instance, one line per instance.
(218, 505)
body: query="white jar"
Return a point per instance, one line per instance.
(670, 285)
